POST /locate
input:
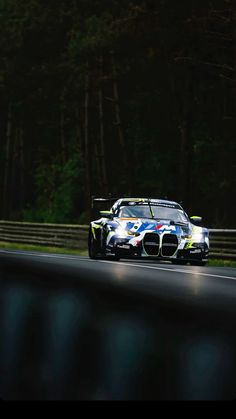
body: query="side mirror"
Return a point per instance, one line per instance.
(196, 219)
(107, 214)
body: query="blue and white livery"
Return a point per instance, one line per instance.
(148, 228)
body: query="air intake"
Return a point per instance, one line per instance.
(169, 245)
(151, 244)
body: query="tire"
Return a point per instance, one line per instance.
(93, 250)
(97, 251)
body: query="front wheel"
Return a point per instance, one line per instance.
(92, 246)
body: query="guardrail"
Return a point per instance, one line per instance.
(222, 241)
(223, 244)
(39, 234)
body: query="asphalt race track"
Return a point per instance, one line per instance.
(160, 331)
(202, 286)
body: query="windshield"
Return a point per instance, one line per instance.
(157, 212)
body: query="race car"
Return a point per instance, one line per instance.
(148, 228)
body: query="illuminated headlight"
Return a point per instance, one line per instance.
(198, 237)
(121, 232)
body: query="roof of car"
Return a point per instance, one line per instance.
(153, 201)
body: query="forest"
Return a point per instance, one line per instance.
(122, 97)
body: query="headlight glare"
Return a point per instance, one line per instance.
(121, 232)
(198, 237)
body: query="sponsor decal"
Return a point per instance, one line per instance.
(161, 227)
(124, 246)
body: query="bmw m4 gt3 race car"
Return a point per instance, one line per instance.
(148, 228)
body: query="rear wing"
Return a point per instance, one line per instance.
(101, 204)
(106, 201)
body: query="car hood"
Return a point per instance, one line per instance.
(138, 225)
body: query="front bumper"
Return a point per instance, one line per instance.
(198, 252)
(122, 248)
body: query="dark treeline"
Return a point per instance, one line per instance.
(115, 96)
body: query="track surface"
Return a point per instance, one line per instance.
(204, 286)
(146, 329)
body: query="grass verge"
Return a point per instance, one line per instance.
(59, 250)
(223, 263)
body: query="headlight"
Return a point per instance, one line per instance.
(121, 232)
(198, 237)
(133, 233)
